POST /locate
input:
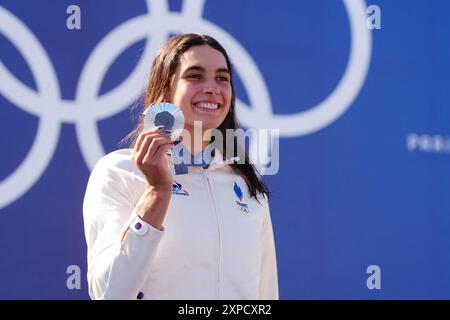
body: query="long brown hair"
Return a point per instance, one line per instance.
(163, 68)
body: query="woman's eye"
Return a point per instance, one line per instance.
(223, 78)
(193, 76)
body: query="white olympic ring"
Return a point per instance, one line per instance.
(88, 107)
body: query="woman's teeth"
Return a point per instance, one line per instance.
(211, 106)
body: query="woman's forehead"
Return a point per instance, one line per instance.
(204, 56)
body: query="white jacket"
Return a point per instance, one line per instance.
(213, 246)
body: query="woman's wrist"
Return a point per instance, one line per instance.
(159, 192)
(152, 206)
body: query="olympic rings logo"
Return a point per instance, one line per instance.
(88, 107)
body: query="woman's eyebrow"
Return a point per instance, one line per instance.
(194, 68)
(220, 70)
(200, 68)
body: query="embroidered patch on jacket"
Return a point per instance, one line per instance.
(241, 205)
(177, 189)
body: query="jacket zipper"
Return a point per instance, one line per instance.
(206, 175)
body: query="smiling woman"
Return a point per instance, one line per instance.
(201, 87)
(205, 233)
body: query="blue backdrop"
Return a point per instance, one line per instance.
(364, 115)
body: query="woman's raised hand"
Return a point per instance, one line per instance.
(150, 156)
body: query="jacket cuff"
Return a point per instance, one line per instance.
(137, 251)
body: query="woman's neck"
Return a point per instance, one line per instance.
(195, 140)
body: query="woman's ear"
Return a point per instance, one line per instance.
(167, 98)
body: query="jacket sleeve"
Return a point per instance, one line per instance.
(268, 288)
(116, 269)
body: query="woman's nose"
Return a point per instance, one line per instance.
(211, 88)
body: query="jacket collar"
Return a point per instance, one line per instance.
(198, 160)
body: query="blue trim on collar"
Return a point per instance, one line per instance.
(182, 168)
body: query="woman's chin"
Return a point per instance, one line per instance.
(204, 123)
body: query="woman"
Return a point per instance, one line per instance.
(203, 234)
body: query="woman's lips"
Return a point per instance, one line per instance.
(207, 106)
